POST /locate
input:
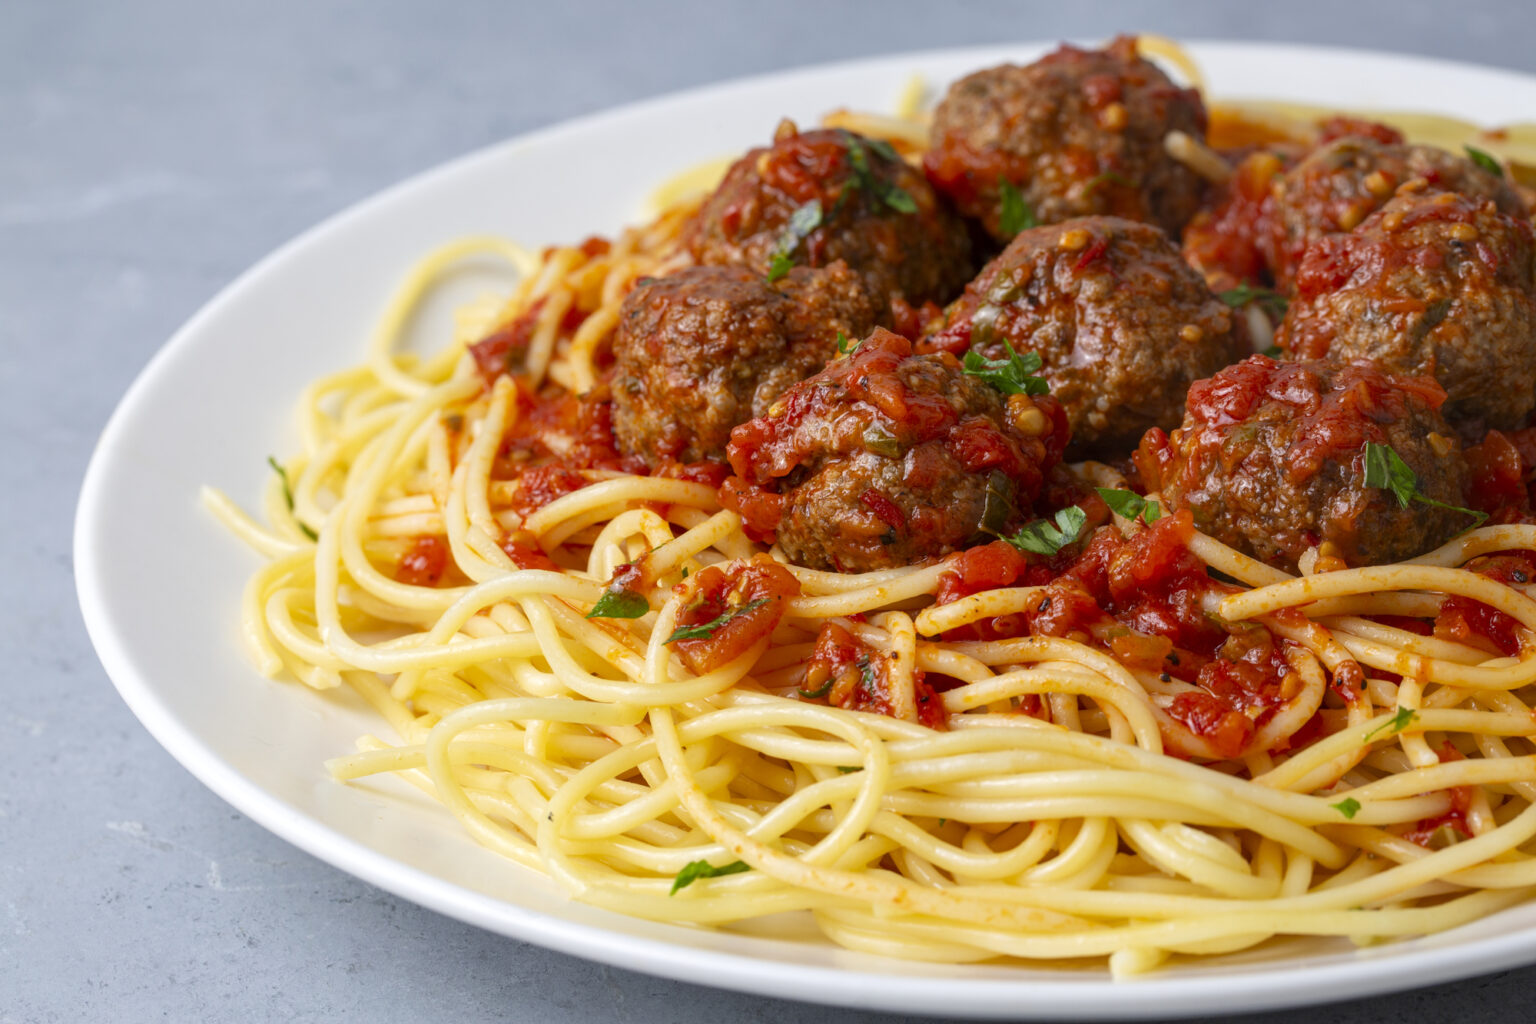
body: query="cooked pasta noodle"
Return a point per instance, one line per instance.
(1045, 823)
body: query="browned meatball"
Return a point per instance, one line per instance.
(1432, 283)
(818, 196)
(1271, 460)
(1078, 132)
(886, 458)
(1341, 183)
(699, 351)
(1121, 323)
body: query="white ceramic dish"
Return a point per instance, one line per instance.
(159, 581)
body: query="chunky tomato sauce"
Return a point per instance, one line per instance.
(738, 606)
(1140, 599)
(846, 672)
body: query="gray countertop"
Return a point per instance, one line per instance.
(148, 153)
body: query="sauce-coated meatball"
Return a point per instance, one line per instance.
(1432, 283)
(885, 458)
(701, 350)
(876, 213)
(1121, 323)
(1078, 132)
(1341, 183)
(1271, 460)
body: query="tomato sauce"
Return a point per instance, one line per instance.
(846, 672)
(737, 606)
(423, 564)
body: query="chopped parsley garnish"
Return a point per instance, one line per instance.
(1011, 376)
(706, 630)
(1269, 300)
(1109, 178)
(1015, 215)
(848, 769)
(998, 507)
(619, 604)
(846, 346)
(820, 691)
(1485, 160)
(893, 196)
(1130, 505)
(1397, 723)
(695, 870)
(1347, 807)
(282, 474)
(1044, 537)
(802, 222)
(1385, 469)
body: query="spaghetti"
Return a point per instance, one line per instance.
(1044, 819)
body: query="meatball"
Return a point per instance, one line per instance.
(1341, 183)
(1271, 460)
(1121, 323)
(886, 458)
(701, 350)
(1432, 283)
(871, 210)
(1078, 132)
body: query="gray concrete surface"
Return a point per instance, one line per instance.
(148, 153)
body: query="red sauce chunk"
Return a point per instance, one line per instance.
(1453, 820)
(1470, 622)
(848, 673)
(744, 601)
(423, 564)
(542, 485)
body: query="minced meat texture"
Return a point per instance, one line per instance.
(1432, 283)
(886, 458)
(1341, 183)
(1271, 460)
(877, 214)
(1121, 323)
(1078, 132)
(706, 348)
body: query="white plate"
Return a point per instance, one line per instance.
(159, 581)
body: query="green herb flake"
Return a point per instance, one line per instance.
(883, 149)
(1269, 300)
(1109, 178)
(1015, 214)
(1347, 807)
(802, 222)
(695, 870)
(707, 630)
(847, 769)
(846, 346)
(998, 507)
(893, 196)
(1397, 723)
(282, 474)
(1130, 505)
(619, 604)
(1485, 160)
(1385, 469)
(778, 265)
(1014, 375)
(1045, 537)
(824, 689)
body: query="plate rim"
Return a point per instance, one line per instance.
(1077, 997)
